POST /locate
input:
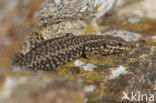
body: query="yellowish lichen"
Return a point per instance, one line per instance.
(90, 28)
(153, 41)
(86, 12)
(96, 8)
(102, 60)
(90, 77)
(130, 61)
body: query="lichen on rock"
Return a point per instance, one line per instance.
(61, 10)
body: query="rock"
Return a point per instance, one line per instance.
(143, 9)
(126, 35)
(61, 10)
(41, 88)
(16, 19)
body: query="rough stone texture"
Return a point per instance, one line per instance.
(144, 70)
(61, 10)
(41, 89)
(16, 19)
(77, 27)
(126, 35)
(144, 8)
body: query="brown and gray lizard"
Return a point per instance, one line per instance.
(58, 51)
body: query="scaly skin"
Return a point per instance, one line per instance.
(58, 51)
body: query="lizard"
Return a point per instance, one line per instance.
(55, 52)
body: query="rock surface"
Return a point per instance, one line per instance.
(16, 19)
(144, 9)
(62, 10)
(41, 89)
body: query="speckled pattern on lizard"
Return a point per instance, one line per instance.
(61, 50)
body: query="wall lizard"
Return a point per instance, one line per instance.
(61, 50)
